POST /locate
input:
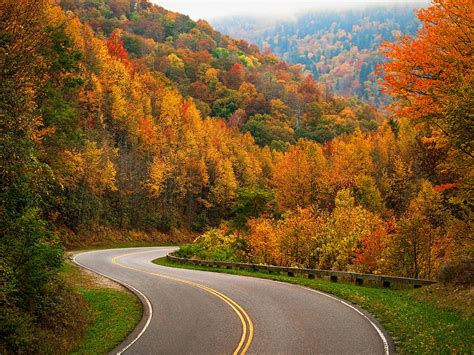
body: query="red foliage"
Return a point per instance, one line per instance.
(199, 90)
(90, 122)
(116, 49)
(371, 249)
(309, 88)
(186, 105)
(235, 76)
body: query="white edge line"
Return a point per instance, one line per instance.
(150, 309)
(379, 331)
(134, 290)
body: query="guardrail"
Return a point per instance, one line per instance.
(334, 276)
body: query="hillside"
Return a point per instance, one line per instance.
(122, 121)
(227, 78)
(339, 47)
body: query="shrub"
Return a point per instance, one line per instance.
(215, 244)
(459, 273)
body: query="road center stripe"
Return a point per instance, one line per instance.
(246, 321)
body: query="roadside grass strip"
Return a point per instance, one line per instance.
(113, 313)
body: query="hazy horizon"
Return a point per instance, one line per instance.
(214, 9)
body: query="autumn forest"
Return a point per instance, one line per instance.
(120, 119)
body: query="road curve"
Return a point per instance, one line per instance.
(189, 311)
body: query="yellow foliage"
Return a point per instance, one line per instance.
(118, 104)
(74, 30)
(346, 227)
(99, 173)
(159, 172)
(71, 169)
(171, 108)
(175, 61)
(299, 175)
(91, 167)
(225, 186)
(263, 241)
(298, 232)
(216, 238)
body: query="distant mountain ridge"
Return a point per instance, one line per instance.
(339, 47)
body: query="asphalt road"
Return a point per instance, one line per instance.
(195, 312)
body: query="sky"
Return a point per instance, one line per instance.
(211, 9)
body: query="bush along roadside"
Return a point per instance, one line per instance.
(432, 319)
(113, 312)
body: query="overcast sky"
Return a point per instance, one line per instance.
(210, 9)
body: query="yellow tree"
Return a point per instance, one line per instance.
(422, 235)
(350, 156)
(346, 227)
(263, 241)
(298, 233)
(225, 184)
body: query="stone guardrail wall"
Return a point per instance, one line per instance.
(334, 276)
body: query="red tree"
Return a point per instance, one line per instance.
(116, 48)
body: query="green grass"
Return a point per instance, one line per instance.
(113, 313)
(416, 324)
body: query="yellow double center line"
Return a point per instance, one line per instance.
(247, 325)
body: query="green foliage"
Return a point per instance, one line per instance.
(62, 56)
(35, 301)
(60, 113)
(368, 194)
(267, 132)
(212, 245)
(224, 107)
(201, 222)
(133, 45)
(252, 202)
(40, 312)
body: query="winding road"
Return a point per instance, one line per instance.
(196, 312)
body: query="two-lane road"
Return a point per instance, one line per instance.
(188, 311)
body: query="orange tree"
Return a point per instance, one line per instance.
(432, 74)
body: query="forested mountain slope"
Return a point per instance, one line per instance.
(339, 47)
(227, 78)
(121, 117)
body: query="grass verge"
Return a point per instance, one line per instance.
(113, 311)
(419, 321)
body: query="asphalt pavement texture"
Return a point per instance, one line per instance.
(197, 312)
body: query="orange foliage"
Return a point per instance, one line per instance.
(444, 187)
(432, 74)
(147, 131)
(369, 256)
(299, 176)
